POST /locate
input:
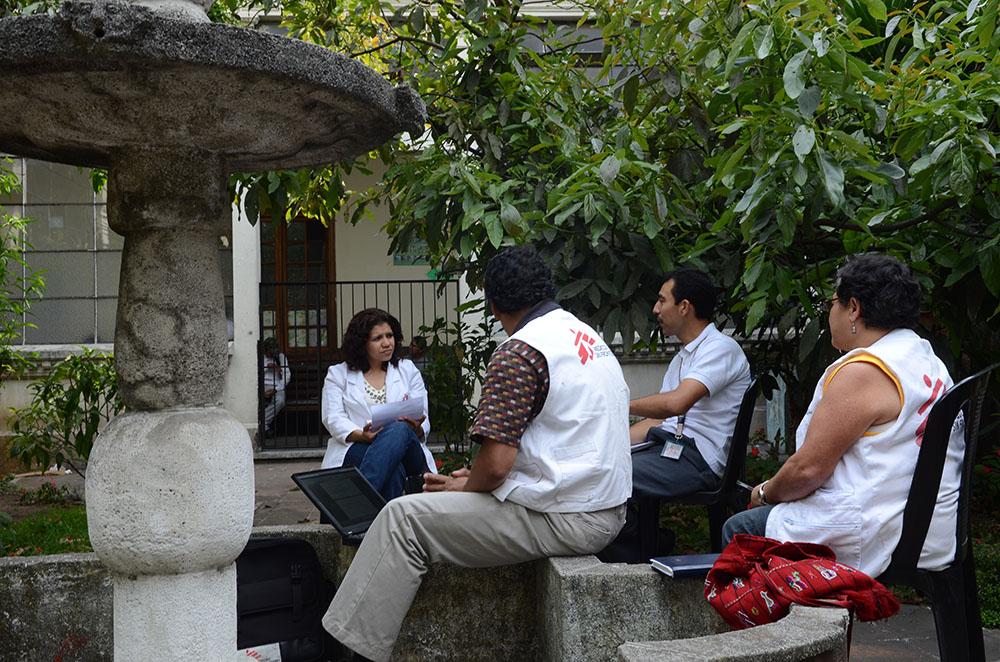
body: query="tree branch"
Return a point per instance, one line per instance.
(399, 38)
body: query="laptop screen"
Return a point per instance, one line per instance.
(344, 495)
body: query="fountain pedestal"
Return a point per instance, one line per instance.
(173, 104)
(170, 507)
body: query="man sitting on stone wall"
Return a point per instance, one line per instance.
(552, 474)
(691, 420)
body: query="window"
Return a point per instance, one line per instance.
(296, 291)
(70, 239)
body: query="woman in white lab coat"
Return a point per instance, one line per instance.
(373, 373)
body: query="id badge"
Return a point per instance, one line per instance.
(672, 450)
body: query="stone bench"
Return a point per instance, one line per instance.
(575, 609)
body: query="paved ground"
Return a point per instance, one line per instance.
(907, 636)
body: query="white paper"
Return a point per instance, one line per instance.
(382, 415)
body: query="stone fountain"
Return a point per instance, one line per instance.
(171, 104)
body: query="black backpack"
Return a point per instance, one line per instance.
(281, 596)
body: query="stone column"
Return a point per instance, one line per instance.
(170, 482)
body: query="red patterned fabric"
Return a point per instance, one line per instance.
(755, 580)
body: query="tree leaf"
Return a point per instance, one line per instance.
(833, 178)
(962, 177)
(988, 24)
(800, 175)
(763, 39)
(984, 139)
(928, 160)
(738, 44)
(992, 204)
(879, 217)
(630, 91)
(890, 170)
(661, 205)
(809, 100)
(509, 216)
(732, 127)
(755, 314)
(876, 8)
(609, 170)
(494, 230)
(807, 341)
(792, 75)
(803, 141)
(890, 27)
(573, 288)
(971, 9)
(989, 267)
(751, 275)
(821, 44)
(417, 21)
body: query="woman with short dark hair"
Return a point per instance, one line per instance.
(847, 483)
(373, 374)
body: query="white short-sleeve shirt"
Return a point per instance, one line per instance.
(718, 362)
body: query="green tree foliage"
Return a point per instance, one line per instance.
(763, 142)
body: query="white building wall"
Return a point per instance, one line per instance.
(240, 394)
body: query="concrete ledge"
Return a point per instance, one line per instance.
(288, 454)
(590, 608)
(55, 607)
(807, 633)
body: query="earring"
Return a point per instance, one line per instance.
(854, 329)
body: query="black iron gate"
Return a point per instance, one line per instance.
(307, 321)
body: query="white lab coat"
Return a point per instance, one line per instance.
(345, 409)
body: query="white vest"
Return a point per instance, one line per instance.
(574, 455)
(858, 512)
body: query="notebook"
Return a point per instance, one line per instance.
(346, 498)
(686, 565)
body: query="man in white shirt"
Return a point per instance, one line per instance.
(691, 420)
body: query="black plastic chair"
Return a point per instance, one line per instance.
(952, 591)
(719, 500)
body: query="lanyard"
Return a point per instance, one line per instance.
(679, 430)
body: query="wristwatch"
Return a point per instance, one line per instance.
(760, 493)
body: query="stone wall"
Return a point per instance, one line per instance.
(579, 609)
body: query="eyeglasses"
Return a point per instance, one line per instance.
(827, 304)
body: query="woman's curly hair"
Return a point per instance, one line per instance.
(356, 337)
(516, 278)
(888, 293)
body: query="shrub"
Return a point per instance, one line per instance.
(763, 459)
(48, 493)
(67, 410)
(987, 557)
(986, 481)
(457, 356)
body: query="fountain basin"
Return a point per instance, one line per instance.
(98, 77)
(554, 609)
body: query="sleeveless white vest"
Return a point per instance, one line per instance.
(858, 512)
(574, 455)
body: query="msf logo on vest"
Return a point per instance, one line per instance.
(587, 348)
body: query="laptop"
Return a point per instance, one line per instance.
(345, 497)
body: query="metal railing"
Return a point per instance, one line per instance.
(309, 319)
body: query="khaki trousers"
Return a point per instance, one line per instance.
(467, 529)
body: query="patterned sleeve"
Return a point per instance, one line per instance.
(514, 390)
